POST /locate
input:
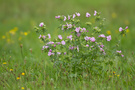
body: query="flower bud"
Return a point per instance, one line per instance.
(88, 23)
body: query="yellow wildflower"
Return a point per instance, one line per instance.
(23, 74)
(4, 63)
(12, 32)
(18, 78)
(11, 69)
(114, 15)
(22, 87)
(15, 29)
(3, 37)
(25, 33)
(118, 75)
(127, 30)
(108, 32)
(113, 72)
(110, 76)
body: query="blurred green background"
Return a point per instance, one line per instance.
(23, 15)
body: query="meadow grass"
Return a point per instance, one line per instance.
(40, 74)
(24, 66)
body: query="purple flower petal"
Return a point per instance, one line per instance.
(108, 38)
(95, 13)
(59, 36)
(49, 36)
(126, 27)
(57, 16)
(118, 51)
(77, 29)
(92, 39)
(41, 24)
(74, 15)
(78, 14)
(120, 29)
(63, 42)
(102, 35)
(88, 15)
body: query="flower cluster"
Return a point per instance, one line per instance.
(119, 53)
(82, 48)
(123, 31)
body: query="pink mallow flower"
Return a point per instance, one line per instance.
(101, 49)
(39, 36)
(102, 45)
(58, 53)
(77, 29)
(65, 18)
(71, 48)
(102, 35)
(62, 27)
(69, 26)
(78, 34)
(70, 37)
(45, 47)
(59, 36)
(69, 17)
(57, 16)
(126, 27)
(63, 42)
(57, 43)
(50, 42)
(83, 29)
(54, 45)
(108, 38)
(87, 45)
(49, 36)
(120, 29)
(50, 50)
(74, 15)
(43, 37)
(50, 53)
(118, 51)
(122, 55)
(95, 13)
(64, 53)
(88, 15)
(87, 38)
(41, 24)
(77, 48)
(92, 39)
(78, 14)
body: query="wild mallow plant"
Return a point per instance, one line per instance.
(84, 50)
